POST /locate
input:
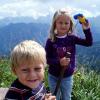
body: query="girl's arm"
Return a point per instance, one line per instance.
(88, 36)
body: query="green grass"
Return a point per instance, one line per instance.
(86, 82)
(6, 76)
(86, 85)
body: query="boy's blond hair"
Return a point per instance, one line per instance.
(28, 52)
(53, 26)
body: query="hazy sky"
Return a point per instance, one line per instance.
(36, 8)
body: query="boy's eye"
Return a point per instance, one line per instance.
(25, 70)
(37, 69)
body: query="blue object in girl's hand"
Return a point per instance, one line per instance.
(78, 15)
(81, 18)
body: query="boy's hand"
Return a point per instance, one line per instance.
(49, 97)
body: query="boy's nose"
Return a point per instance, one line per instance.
(32, 74)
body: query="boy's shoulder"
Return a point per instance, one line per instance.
(16, 90)
(18, 87)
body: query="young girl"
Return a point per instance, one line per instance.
(61, 41)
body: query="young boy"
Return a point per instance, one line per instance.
(28, 61)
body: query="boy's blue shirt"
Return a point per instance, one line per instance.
(68, 44)
(18, 91)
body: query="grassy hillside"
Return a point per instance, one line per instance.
(86, 82)
(86, 85)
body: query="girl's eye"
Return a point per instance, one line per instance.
(66, 23)
(61, 22)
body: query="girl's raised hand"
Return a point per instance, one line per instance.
(86, 25)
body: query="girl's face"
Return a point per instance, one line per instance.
(62, 25)
(30, 75)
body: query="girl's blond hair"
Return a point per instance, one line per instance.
(28, 52)
(53, 26)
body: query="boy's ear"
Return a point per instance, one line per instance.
(13, 70)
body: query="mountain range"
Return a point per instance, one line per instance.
(14, 30)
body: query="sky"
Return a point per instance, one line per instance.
(37, 8)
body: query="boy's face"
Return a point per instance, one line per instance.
(30, 75)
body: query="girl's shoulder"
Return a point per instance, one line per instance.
(71, 36)
(49, 40)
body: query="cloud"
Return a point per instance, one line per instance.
(36, 8)
(94, 5)
(22, 8)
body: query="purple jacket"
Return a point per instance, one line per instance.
(57, 49)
